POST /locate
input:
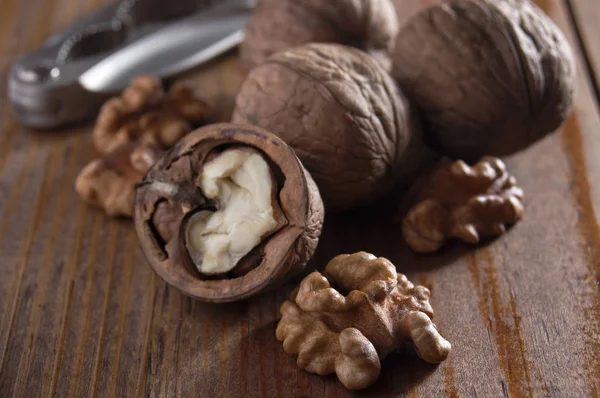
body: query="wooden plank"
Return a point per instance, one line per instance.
(82, 314)
(586, 16)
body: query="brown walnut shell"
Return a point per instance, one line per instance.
(168, 197)
(342, 114)
(489, 76)
(276, 25)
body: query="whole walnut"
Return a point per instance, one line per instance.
(276, 25)
(489, 76)
(342, 114)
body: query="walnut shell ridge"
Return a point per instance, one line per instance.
(167, 197)
(490, 76)
(276, 25)
(342, 114)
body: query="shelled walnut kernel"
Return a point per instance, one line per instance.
(463, 202)
(349, 334)
(130, 132)
(108, 182)
(144, 108)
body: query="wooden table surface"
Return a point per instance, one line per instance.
(82, 314)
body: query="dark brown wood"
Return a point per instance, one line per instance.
(82, 314)
(585, 14)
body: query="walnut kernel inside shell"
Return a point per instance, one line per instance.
(243, 186)
(227, 213)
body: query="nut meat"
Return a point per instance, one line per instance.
(276, 25)
(343, 116)
(108, 182)
(228, 212)
(463, 202)
(349, 334)
(489, 76)
(145, 109)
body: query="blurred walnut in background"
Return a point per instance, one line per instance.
(277, 25)
(108, 182)
(130, 133)
(144, 108)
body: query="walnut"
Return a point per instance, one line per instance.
(490, 76)
(463, 202)
(342, 114)
(145, 109)
(276, 25)
(109, 182)
(349, 334)
(227, 213)
(130, 132)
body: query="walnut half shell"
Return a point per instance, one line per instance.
(228, 212)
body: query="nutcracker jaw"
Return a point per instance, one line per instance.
(75, 71)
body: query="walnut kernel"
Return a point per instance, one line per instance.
(463, 202)
(349, 334)
(145, 109)
(108, 182)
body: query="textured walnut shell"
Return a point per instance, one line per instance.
(490, 76)
(277, 25)
(342, 114)
(161, 212)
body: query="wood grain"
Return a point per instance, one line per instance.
(82, 314)
(585, 16)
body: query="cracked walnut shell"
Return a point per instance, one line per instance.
(347, 331)
(463, 202)
(145, 109)
(342, 114)
(277, 25)
(227, 213)
(490, 77)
